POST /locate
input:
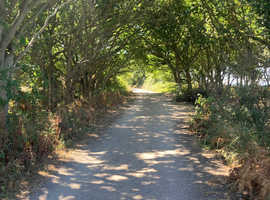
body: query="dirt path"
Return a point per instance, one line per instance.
(144, 154)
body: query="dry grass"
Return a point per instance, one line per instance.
(237, 126)
(253, 176)
(37, 135)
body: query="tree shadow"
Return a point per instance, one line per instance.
(140, 156)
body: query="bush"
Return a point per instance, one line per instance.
(244, 109)
(34, 133)
(190, 96)
(238, 123)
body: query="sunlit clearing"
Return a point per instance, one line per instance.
(136, 90)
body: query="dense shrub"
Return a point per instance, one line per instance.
(238, 123)
(244, 109)
(34, 133)
(190, 96)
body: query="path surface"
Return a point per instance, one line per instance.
(144, 154)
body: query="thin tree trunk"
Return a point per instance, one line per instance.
(189, 81)
(241, 81)
(50, 89)
(229, 79)
(6, 62)
(3, 105)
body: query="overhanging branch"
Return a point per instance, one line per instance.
(37, 34)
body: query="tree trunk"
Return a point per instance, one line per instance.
(218, 78)
(241, 81)
(6, 63)
(189, 81)
(69, 91)
(3, 105)
(229, 79)
(177, 78)
(49, 89)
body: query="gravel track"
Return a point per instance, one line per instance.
(146, 153)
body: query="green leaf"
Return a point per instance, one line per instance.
(22, 41)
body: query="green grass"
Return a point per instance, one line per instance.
(162, 86)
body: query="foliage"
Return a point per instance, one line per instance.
(159, 85)
(60, 56)
(183, 94)
(35, 133)
(53, 90)
(238, 109)
(237, 122)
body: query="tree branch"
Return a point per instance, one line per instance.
(262, 41)
(39, 12)
(37, 34)
(16, 24)
(1, 32)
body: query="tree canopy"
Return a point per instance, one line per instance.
(56, 53)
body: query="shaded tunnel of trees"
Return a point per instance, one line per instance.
(56, 53)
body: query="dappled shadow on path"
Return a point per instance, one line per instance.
(145, 154)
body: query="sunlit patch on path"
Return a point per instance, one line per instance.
(137, 90)
(146, 154)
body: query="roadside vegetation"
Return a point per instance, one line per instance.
(59, 71)
(236, 123)
(217, 55)
(64, 61)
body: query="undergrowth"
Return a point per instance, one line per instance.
(35, 133)
(237, 124)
